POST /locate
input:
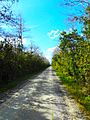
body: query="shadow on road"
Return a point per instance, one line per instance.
(40, 98)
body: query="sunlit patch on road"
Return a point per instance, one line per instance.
(43, 98)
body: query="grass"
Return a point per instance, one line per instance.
(14, 83)
(79, 94)
(52, 116)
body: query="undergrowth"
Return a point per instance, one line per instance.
(79, 94)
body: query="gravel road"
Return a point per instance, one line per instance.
(41, 98)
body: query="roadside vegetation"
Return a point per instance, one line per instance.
(15, 62)
(72, 61)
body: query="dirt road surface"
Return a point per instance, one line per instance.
(41, 98)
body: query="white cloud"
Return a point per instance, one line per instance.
(49, 57)
(49, 53)
(54, 34)
(51, 49)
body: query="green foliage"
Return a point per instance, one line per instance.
(72, 63)
(14, 63)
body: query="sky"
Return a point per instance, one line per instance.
(44, 19)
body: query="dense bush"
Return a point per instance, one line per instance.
(72, 63)
(15, 63)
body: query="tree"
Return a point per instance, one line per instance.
(72, 63)
(6, 13)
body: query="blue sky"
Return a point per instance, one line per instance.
(45, 19)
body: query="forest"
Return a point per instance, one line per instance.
(72, 61)
(15, 61)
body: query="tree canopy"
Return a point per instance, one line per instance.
(15, 62)
(72, 63)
